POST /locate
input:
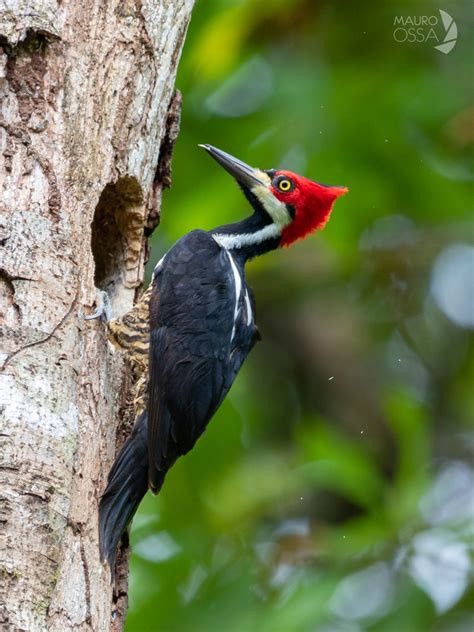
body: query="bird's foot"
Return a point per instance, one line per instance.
(104, 308)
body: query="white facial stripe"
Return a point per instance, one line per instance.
(263, 177)
(231, 242)
(276, 209)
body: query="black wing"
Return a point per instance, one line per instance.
(192, 360)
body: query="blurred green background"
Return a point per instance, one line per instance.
(333, 491)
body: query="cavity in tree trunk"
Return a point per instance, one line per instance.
(87, 123)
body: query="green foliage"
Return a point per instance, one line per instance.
(333, 489)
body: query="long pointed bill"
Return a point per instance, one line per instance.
(243, 173)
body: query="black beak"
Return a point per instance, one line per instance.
(244, 174)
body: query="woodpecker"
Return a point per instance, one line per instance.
(193, 328)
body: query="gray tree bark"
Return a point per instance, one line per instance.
(87, 123)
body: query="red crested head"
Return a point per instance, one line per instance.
(295, 206)
(311, 204)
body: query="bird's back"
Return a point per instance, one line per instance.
(201, 330)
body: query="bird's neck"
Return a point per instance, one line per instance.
(250, 237)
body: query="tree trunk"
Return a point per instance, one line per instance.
(87, 123)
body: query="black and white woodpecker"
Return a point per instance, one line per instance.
(193, 328)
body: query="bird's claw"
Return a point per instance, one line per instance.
(104, 308)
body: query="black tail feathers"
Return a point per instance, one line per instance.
(126, 486)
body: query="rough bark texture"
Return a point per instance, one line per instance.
(85, 91)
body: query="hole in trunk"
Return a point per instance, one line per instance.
(117, 231)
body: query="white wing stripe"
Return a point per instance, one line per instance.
(238, 290)
(249, 308)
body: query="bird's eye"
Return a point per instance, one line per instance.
(285, 185)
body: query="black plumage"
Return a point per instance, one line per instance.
(126, 485)
(197, 323)
(199, 340)
(201, 329)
